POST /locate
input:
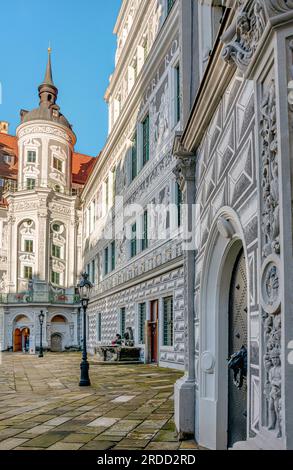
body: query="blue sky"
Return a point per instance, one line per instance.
(83, 49)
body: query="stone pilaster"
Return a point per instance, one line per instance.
(185, 387)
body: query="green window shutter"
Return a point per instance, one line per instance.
(113, 255)
(106, 265)
(133, 241)
(141, 323)
(146, 140)
(55, 278)
(56, 251)
(170, 4)
(168, 322)
(144, 242)
(93, 271)
(178, 101)
(99, 327)
(122, 321)
(179, 204)
(134, 158)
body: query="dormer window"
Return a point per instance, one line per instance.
(7, 159)
(31, 156)
(57, 164)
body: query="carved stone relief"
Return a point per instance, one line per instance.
(243, 37)
(270, 178)
(270, 278)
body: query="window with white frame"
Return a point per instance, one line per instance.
(168, 321)
(133, 241)
(144, 239)
(178, 195)
(113, 255)
(93, 271)
(106, 261)
(28, 246)
(56, 251)
(134, 157)
(55, 278)
(99, 327)
(31, 156)
(27, 272)
(145, 140)
(58, 164)
(30, 184)
(122, 321)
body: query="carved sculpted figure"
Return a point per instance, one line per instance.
(275, 378)
(272, 284)
(273, 369)
(243, 37)
(270, 174)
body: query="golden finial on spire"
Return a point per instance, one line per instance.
(49, 48)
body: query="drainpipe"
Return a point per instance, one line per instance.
(185, 387)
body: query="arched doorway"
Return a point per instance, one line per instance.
(21, 334)
(56, 342)
(220, 272)
(237, 396)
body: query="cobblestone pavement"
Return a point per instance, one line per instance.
(43, 408)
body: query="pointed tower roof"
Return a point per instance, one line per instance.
(48, 80)
(48, 110)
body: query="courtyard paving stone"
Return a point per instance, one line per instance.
(42, 406)
(98, 445)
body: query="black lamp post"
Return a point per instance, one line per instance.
(41, 320)
(84, 287)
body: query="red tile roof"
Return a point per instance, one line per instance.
(8, 146)
(82, 165)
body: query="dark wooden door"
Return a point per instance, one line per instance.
(17, 342)
(56, 342)
(154, 330)
(237, 398)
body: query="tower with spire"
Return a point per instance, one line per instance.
(43, 212)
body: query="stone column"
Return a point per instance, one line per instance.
(185, 387)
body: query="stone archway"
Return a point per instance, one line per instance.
(21, 333)
(223, 249)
